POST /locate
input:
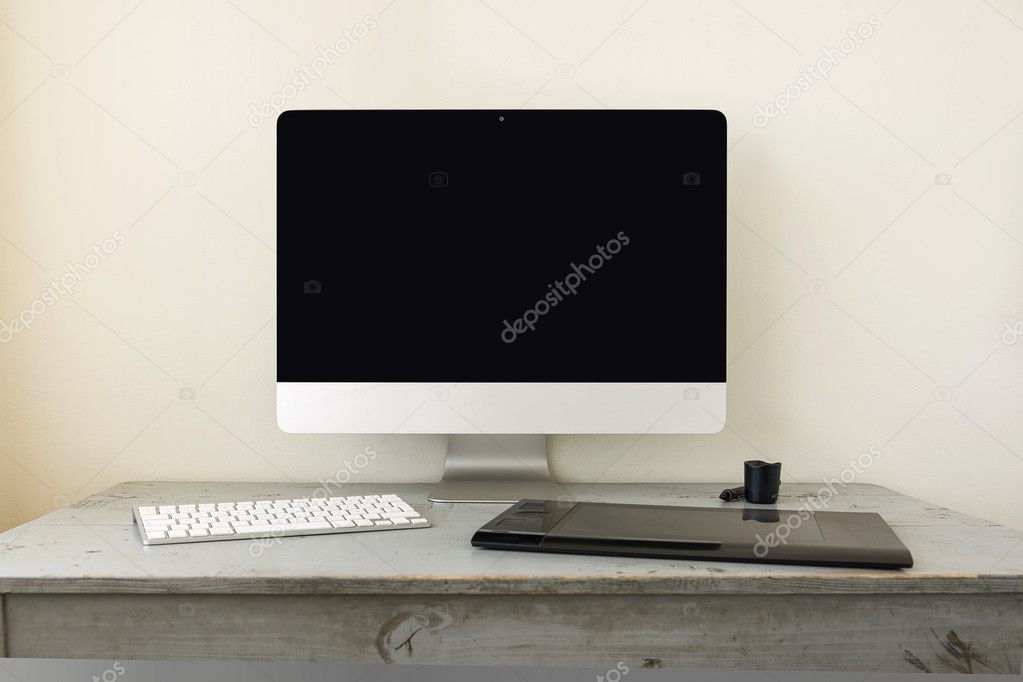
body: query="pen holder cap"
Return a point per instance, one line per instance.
(762, 480)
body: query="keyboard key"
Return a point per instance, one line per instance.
(222, 530)
(177, 534)
(155, 535)
(383, 522)
(342, 523)
(418, 522)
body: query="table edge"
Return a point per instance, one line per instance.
(853, 584)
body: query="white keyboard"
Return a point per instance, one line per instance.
(172, 523)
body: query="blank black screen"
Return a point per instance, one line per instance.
(454, 246)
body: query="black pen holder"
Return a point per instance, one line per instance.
(762, 480)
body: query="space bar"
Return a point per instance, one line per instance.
(277, 529)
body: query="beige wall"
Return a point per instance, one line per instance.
(868, 299)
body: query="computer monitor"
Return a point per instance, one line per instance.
(500, 276)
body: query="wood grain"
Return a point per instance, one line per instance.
(805, 632)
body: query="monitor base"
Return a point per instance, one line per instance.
(496, 469)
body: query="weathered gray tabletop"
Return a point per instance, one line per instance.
(78, 583)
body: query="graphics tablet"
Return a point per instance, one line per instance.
(769, 535)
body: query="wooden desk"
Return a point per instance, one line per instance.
(78, 583)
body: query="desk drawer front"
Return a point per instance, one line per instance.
(883, 633)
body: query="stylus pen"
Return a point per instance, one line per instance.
(729, 494)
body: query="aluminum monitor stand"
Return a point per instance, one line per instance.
(496, 468)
